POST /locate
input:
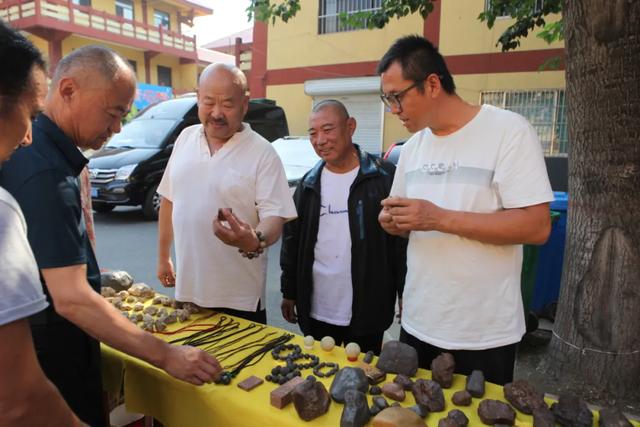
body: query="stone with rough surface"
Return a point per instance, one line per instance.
(397, 417)
(442, 368)
(368, 357)
(461, 398)
(311, 399)
(428, 393)
(496, 412)
(118, 280)
(612, 417)
(446, 422)
(356, 410)
(348, 378)
(398, 358)
(282, 396)
(380, 402)
(523, 396)
(374, 375)
(458, 417)
(404, 381)
(393, 391)
(475, 383)
(543, 417)
(421, 410)
(572, 411)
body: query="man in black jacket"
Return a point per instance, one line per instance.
(340, 271)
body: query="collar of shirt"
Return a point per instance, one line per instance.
(76, 160)
(238, 136)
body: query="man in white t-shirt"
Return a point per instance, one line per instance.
(225, 198)
(340, 271)
(470, 189)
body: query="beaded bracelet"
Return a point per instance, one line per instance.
(334, 368)
(262, 244)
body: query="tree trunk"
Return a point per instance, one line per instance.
(596, 339)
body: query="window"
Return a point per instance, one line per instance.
(164, 76)
(82, 2)
(537, 7)
(134, 65)
(124, 8)
(161, 19)
(544, 109)
(330, 10)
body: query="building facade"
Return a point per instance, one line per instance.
(149, 33)
(315, 56)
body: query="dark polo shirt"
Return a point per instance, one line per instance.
(43, 178)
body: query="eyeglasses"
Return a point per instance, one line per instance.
(394, 99)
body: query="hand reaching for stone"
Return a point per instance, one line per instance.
(191, 364)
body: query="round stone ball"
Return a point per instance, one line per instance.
(352, 350)
(327, 343)
(308, 342)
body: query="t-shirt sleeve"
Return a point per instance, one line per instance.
(521, 175)
(51, 206)
(398, 188)
(20, 285)
(273, 197)
(164, 188)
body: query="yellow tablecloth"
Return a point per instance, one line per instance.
(150, 391)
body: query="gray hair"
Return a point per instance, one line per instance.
(100, 59)
(332, 103)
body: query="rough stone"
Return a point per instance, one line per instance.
(356, 410)
(475, 383)
(374, 375)
(348, 378)
(118, 280)
(447, 422)
(398, 358)
(393, 391)
(374, 410)
(496, 412)
(428, 393)
(107, 292)
(458, 417)
(421, 410)
(368, 357)
(380, 402)
(613, 417)
(397, 417)
(523, 396)
(311, 399)
(442, 368)
(572, 411)
(404, 381)
(375, 390)
(461, 398)
(543, 417)
(282, 396)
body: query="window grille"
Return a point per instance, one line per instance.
(329, 13)
(502, 13)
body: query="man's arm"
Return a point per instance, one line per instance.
(74, 300)
(527, 225)
(27, 397)
(289, 261)
(242, 235)
(166, 273)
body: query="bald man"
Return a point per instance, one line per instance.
(221, 175)
(340, 271)
(91, 91)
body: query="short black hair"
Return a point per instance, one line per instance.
(418, 58)
(18, 57)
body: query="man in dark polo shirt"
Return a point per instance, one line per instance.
(91, 91)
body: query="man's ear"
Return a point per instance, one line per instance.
(351, 125)
(67, 88)
(433, 82)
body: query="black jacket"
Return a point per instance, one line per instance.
(378, 259)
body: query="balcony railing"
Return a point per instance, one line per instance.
(17, 12)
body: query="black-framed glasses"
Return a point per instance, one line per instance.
(395, 99)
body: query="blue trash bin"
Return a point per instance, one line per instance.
(550, 258)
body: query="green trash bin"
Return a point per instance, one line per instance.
(530, 255)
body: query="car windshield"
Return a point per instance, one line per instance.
(297, 156)
(142, 133)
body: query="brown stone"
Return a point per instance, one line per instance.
(428, 393)
(475, 383)
(355, 412)
(461, 398)
(458, 417)
(404, 381)
(250, 383)
(543, 417)
(442, 368)
(393, 391)
(612, 417)
(447, 422)
(523, 396)
(398, 358)
(373, 374)
(571, 410)
(397, 417)
(282, 396)
(496, 412)
(311, 399)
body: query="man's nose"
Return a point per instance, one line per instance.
(116, 126)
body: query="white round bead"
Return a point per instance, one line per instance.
(352, 350)
(308, 341)
(327, 343)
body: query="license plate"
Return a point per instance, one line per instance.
(94, 192)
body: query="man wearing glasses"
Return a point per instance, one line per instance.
(471, 187)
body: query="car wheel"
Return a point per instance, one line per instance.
(102, 207)
(151, 205)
